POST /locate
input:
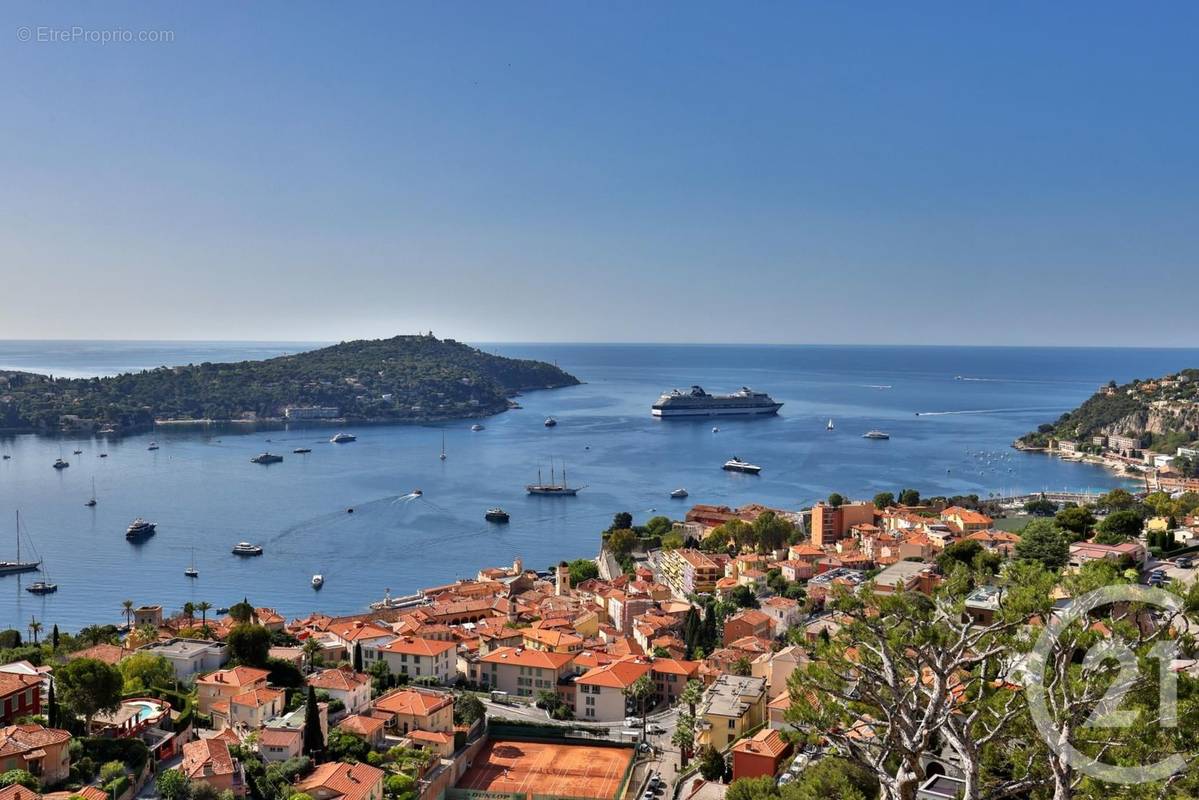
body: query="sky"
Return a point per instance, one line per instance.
(937, 173)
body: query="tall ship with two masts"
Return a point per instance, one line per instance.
(697, 403)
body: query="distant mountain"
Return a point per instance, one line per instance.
(1161, 413)
(402, 379)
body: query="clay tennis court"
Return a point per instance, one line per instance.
(548, 769)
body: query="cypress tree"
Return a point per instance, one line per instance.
(358, 656)
(314, 740)
(52, 707)
(710, 635)
(54, 637)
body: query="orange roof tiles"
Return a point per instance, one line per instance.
(206, 757)
(617, 675)
(361, 725)
(525, 657)
(412, 702)
(23, 738)
(414, 646)
(338, 680)
(351, 781)
(238, 676)
(767, 741)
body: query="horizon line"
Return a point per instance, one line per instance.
(590, 343)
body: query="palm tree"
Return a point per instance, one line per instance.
(312, 649)
(684, 738)
(204, 608)
(35, 628)
(146, 634)
(127, 610)
(189, 611)
(692, 694)
(640, 690)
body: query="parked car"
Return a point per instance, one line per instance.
(655, 730)
(632, 722)
(1183, 562)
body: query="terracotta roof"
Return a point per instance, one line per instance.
(751, 616)
(351, 781)
(675, 667)
(418, 647)
(13, 682)
(412, 702)
(279, 737)
(23, 738)
(431, 736)
(525, 657)
(766, 742)
(361, 725)
(551, 638)
(339, 680)
(257, 698)
(238, 676)
(617, 675)
(110, 654)
(205, 757)
(358, 630)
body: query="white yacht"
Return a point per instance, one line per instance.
(876, 435)
(246, 549)
(735, 464)
(476, 427)
(342, 438)
(679, 494)
(829, 426)
(140, 529)
(318, 581)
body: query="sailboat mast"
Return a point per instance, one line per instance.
(18, 536)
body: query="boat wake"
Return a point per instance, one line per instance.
(989, 411)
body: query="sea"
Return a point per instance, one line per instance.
(951, 412)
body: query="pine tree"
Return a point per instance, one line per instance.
(314, 739)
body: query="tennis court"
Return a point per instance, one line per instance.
(543, 768)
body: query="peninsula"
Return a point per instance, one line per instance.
(1147, 427)
(402, 379)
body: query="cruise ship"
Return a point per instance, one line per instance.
(698, 403)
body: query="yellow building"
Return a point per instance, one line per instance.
(732, 707)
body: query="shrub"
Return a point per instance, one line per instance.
(111, 770)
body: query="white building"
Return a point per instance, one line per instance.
(191, 657)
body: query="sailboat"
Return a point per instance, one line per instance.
(43, 586)
(92, 502)
(442, 456)
(13, 567)
(553, 487)
(191, 570)
(829, 426)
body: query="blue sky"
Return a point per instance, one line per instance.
(1017, 173)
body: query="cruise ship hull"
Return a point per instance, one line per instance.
(717, 411)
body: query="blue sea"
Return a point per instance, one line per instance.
(205, 495)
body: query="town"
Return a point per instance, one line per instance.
(677, 664)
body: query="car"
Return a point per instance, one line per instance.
(785, 778)
(655, 780)
(632, 722)
(1182, 562)
(655, 730)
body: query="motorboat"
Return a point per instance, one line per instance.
(876, 435)
(77, 452)
(266, 458)
(735, 464)
(61, 464)
(246, 549)
(715, 429)
(302, 450)
(140, 529)
(153, 446)
(830, 425)
(342, 438)
(104, 455)
(550, 422)
(496, 514)
(476, 427)
(318, 581)
(679, 494)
